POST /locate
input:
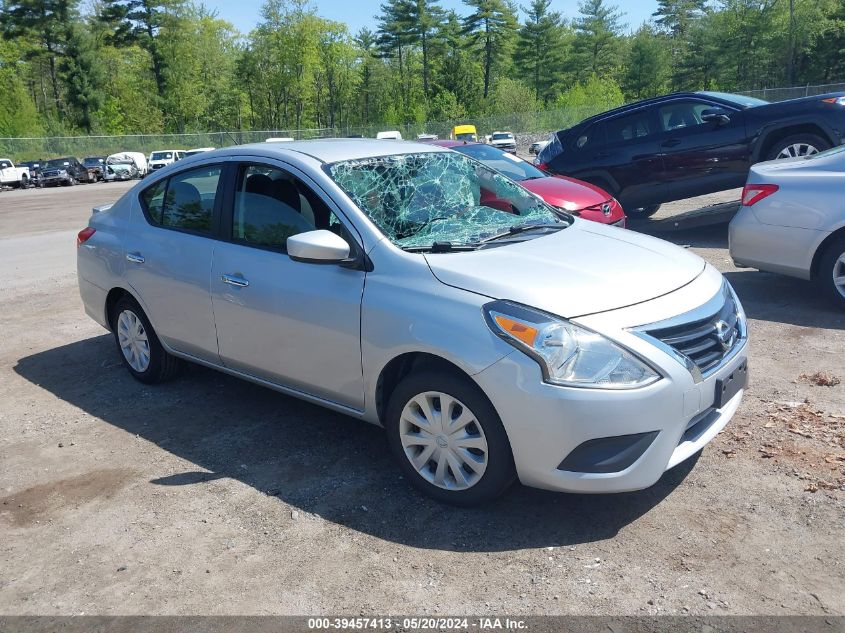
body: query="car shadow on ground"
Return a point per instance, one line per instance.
(316, 460)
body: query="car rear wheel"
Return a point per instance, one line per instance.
(796, 146)
(448, 438)
(138, 345)
(641, 212)
(831, 274)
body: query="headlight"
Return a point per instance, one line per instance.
(568, 354)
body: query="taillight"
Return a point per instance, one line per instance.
(835, 100)
(542, 166)
(84, 235)
(752, 194)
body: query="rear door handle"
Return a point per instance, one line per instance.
(234, 280)
(135, 258)
(672, 142)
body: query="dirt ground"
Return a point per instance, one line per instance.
(209, 495)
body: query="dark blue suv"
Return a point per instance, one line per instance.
(689, 144)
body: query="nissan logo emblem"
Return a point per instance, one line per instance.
(725, 334)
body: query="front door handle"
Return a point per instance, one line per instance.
(135, 258)
(672, 142)
(234, 280)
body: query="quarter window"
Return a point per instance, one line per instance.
(184, 201)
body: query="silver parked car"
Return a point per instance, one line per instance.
(792, 222)
(412, 287)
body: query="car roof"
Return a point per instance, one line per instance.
(332, 150)
(647, 102)
(452, 143)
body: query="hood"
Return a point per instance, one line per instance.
(566, 193)
(584, 269)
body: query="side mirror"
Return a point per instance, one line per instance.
(317, 247)
(715, 115)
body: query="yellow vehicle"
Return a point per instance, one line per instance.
(464, 133)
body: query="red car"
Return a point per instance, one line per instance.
(573, 196)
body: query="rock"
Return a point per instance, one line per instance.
(122, 568)
(294, 515)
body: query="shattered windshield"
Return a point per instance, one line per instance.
(420, 199)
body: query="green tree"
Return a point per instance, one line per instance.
(491, 28)
(139, 23)
(648, 65)
(83, 75)
(597, 38)
(44, 22)
(542, 49)
(424, 18)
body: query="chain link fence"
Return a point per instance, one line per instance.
(795, 92)
(528, 127)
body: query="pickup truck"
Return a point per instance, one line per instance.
(12, 176)
(504, 141)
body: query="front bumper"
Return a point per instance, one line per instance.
(55, 180)
(546, 423)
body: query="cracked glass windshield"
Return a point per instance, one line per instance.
(418, 200)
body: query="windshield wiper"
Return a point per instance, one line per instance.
(516, 229)
(440, 247)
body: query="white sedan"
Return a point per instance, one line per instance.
(792, 221)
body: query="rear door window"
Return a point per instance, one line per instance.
(629, 127)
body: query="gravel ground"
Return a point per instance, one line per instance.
(209, 495)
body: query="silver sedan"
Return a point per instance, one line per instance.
(412, 287)
(792, 221)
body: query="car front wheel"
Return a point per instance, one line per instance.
(641, 212)
(831, 275)
(138, 345)
(448, 438)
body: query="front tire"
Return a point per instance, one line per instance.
(138, 345)
(797, 145)
(448, 438)
(641, 212)
(831, 273)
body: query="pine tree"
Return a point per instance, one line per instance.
(541, 49)
(83, 75)
(45, 22)
(138, 22)
(597, 38)
(491, 28)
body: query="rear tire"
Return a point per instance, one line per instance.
(138, 345)
(831, 273)
(477, 463)
(797, 145)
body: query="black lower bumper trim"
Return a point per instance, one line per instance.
(607, 454)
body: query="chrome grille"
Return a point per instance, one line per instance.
(706, 341)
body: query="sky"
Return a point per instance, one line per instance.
(244, 14)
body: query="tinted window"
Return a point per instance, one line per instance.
(184, 201)
(189, 200)
(508, 164)
(630, 127)
(152, 198)
(271, 205)
(5, 164)
(591, 137)
(679, 115)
